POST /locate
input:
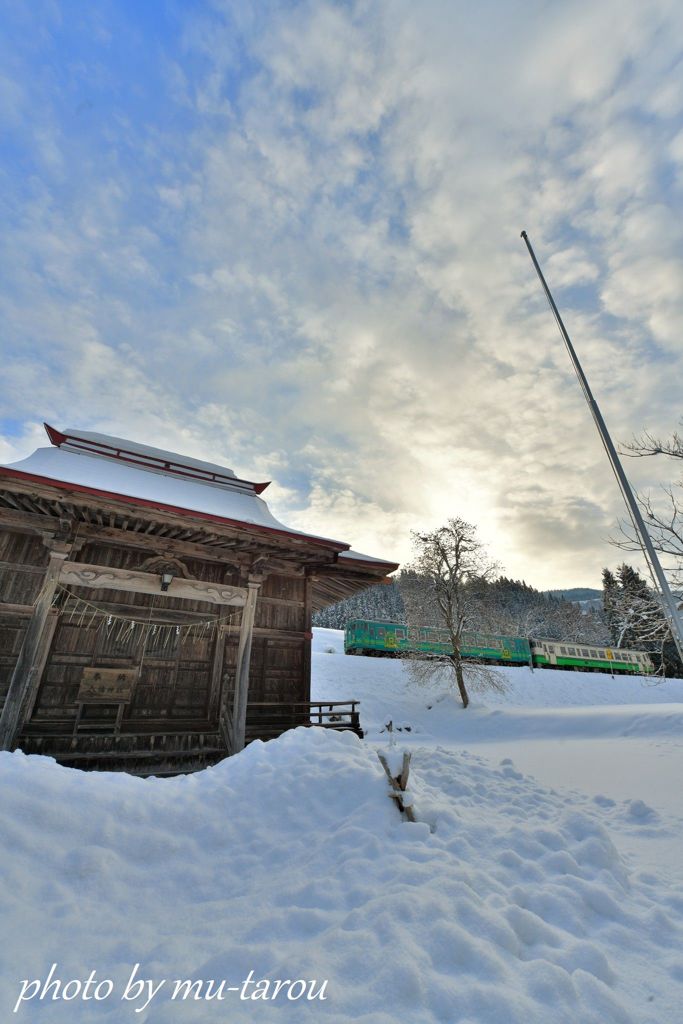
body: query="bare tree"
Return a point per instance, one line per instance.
(516, 609)
(440, 586)
(664, 518)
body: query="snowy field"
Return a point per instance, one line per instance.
(565, 728)
(542, 882)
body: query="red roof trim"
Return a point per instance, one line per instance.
(138, 459)
(65, 485)
(56, 436)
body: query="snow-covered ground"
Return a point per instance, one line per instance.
(539, 883)
(567, 729)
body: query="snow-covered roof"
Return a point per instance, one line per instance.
(357, 556)
(116, 468)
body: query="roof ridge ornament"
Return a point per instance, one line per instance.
(173, 465)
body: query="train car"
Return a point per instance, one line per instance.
(363, 636)
(562, 654)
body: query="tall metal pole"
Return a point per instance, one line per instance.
(671, 609)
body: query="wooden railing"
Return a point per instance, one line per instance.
(266, 720)
(177, 742)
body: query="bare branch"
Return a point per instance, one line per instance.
(647, 444)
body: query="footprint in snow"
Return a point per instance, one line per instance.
(639, 811)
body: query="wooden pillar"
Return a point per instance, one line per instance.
(239, 711)
(308, 629)
(26, 676)
(45, 645)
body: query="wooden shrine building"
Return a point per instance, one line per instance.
(154, 615)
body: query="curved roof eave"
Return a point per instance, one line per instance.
(8, 472)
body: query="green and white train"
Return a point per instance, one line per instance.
(393, 639)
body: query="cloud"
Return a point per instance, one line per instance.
(293, 243)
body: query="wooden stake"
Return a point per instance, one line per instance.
(399, 783)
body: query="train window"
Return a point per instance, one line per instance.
(400, 633)
(584, 652)
(563, 650)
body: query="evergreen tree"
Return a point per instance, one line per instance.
(610, 599)
(641, 619)
(380, 602)
(636, 618)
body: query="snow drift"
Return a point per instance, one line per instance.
(501, 904)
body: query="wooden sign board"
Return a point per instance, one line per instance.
(111, 685)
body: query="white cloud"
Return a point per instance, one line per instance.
(320, 275)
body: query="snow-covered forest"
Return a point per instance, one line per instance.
(630, 615)
(507, 606)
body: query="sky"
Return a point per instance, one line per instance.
(286, 237)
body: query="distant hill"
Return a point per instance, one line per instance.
(587, 597)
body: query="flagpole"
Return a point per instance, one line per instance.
(646, 544)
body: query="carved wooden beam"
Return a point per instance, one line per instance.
(101, 577)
